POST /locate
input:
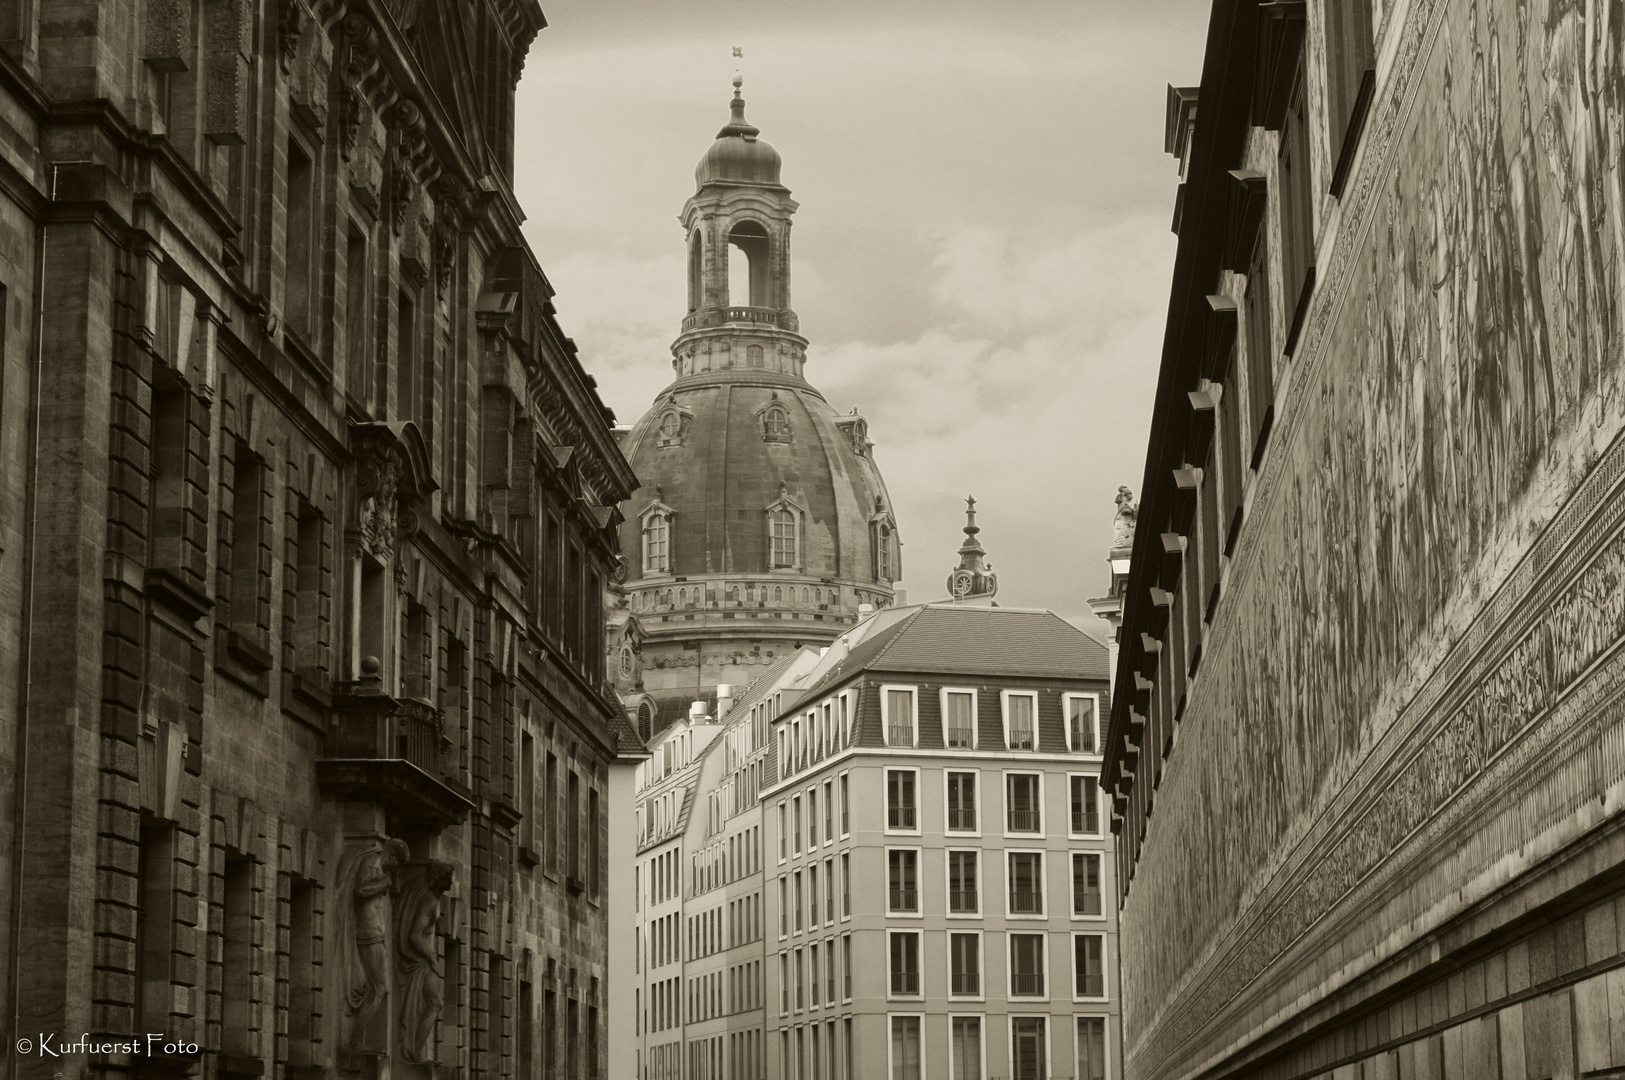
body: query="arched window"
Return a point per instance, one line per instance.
(733, 594)
(778, 594)
(657, 542)
(696, 259)
(747, 265)
(775, 423)
(671, 425)
(682, 597)
(753, 356)
(646, 721)
(783, 532)
(804, 600)
(883, 554)
(667, 599)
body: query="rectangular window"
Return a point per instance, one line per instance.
(1086, 884)
(407, 385)
(1350, 78)
(900, 806)
(1081, 733)
(801, 981)
(356, 275)
(1018, 710)
(846, 885)
(829, 811)
(796, 802)
(237, 954)
(829, 973)
(298, 279)
(1297, 213)
(250, 611)
(905, 963)
(812, 968)
(846, 819)
(797, 891)
(829, 890)
(905, 1048)
(965, 965)
(1091, 1048)
(966, 1062)
(1088, 967)
(1026, 883)
(784, 833)
(958, 716)
(963, 895)
(1027, 965)
(1260, 349)
(784, 984)
(1022, 803)
(572, 822)
(902, 881)
(784, 908)
(846, 966)
(1085, 805)
(812, 896)
(1029, 1052)
(962, 802)
(899, 718)
(812, 819)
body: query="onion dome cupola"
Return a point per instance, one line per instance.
(763, 522)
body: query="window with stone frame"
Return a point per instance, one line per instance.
(782, 529)
(657, 542)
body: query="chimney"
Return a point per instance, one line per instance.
(725, 699)
(696, 713)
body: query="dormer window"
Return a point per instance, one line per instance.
(775, 424)
(784, 533)
(657, 519)
(673, 422)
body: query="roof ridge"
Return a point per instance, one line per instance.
(896, 635)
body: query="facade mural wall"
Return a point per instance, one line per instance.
(1459, 378)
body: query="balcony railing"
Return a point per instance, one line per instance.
(1087, 903)
(899, 817)
(1027, 982)
(962, 901)
(1091, 984)
(1026, 902)
(960, 817)
(966, 982)
(899, 735)
(904, 899)
(905, 982)
(961, 737)
(1021, 737)
(1023, 820)
(758, 316)
(393, 751)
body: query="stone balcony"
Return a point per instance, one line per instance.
(392, 751)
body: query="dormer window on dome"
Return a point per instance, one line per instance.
(672, 424)
(775, 420)
(657, 519)
(784, 518)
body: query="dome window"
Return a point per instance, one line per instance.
(656, 519)
(883, 542)
(753, 356)
(784, 519)
(672, 423)
(775, 420)
(778, 594)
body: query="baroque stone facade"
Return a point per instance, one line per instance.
(307, 511)
(1366, 751)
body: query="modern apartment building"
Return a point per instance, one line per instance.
(701, 909)
(937, 862)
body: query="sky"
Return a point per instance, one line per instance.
(981, 260)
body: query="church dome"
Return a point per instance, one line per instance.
(738, 156)
(721, 455)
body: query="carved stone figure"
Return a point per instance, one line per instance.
(366, 878)
(1123, 524)
(422, 990)
(376, 516)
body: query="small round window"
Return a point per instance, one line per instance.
(776, 423)
(670, 425)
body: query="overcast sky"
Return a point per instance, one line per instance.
(982, 255)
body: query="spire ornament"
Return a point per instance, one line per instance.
(974, 578)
